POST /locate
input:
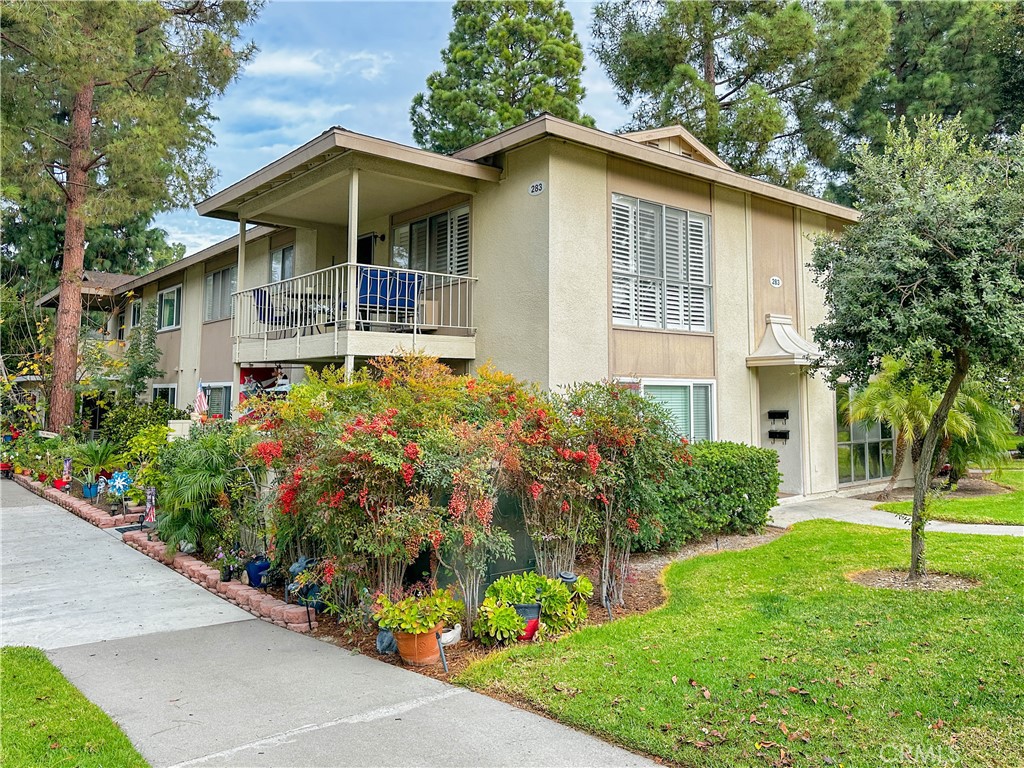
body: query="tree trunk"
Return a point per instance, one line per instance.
(923, 468)
(899, 456)
(69, 309)
(712, 106)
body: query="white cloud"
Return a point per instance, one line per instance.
(320, 64)
(286, 111)
(286, 64)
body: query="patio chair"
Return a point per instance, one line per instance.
(267, 314)
(373, 294)
(402, 294)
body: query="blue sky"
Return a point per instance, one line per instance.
(354, 64)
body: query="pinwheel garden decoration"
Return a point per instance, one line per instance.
(119, 484)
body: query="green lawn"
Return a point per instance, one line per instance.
(772, 649)
(1001, 509)
(47, 721)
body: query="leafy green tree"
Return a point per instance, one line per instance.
(1010, 55)
(945, 58)
(33, 245)
(106, 111)
(934, 267)
(506, 62)
(763, 84)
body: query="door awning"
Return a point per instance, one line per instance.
(782, 345)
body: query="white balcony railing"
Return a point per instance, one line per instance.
(356, 298)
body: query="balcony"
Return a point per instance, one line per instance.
(354, 311)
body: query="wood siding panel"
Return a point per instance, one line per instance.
(670, 355)
(643, 181)
(774, 255)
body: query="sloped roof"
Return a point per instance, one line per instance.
(782, 345)
(98, 288)
(546, 125)
(700, 150)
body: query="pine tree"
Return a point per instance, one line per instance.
(763, 84)
(106, 110)
(506, 62)
(947, 59)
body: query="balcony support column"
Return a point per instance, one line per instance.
(351, 273)
(236, 387)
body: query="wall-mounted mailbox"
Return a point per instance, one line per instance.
(778, 434)
(774, 416)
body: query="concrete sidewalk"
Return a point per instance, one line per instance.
(195, 681)
(860, 511)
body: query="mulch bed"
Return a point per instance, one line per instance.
(966, 488)
(930, 582)
(645, 591)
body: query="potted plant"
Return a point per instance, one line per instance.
(228, 562)
(417, 621)
(95, 457)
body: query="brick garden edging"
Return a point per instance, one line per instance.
(255, 601)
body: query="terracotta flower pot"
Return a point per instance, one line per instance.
(419, 650)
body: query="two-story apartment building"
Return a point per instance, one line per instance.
(557, 252)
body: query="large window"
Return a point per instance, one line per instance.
(691, 405)
(864, 449)
(282, 263)
(169, 309)
(136, 312)
(217, 299)
(661, 266)
(439, 243)
(166, 392)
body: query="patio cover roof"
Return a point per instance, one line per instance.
(98, 290)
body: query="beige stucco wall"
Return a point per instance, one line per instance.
(579, 288)
(781, 390)
(215, 352)
(256, 270)
(510, 245)
(819, 400)
(737, 389)
(193, 293)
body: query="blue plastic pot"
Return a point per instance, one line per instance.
(255, 570)
(90, 490)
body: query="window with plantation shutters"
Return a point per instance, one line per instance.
(217, 294)
(661, 266)
(689, 405)
(439, 243)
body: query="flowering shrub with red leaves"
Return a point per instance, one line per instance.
(630, 449)
(407, 457)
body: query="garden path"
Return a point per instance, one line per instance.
(195, 681)
(860, 511)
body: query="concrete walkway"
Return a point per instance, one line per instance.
(860, 511)
(195, 681)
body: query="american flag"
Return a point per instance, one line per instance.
(201, 405)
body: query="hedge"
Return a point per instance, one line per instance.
(729, 488)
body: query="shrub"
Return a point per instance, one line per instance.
(562, 608)
(730, 487)
(1020, 449)
(497, 623)
(126, 419)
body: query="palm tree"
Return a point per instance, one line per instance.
(904, 405)
(907, 406)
